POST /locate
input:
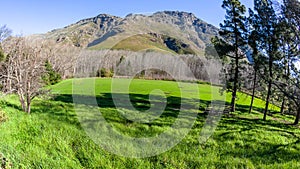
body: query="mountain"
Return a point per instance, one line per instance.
(167, 31)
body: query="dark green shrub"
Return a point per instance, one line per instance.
(3, 118)
(51, 77)
(103, 72)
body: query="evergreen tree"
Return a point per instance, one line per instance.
(265, 23)
(51, 77)
(234, 31)
(255, 62)
(289, 84)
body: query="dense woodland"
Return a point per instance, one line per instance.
(257, 52)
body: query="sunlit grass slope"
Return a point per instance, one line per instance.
(52, 136)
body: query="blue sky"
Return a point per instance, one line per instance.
(40, 16)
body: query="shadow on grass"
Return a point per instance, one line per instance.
(61, 109)
(58, 111)
(245, 109)
(5, 103)
(256, 146)
(171, 106)
(141, 103)
(270, 152)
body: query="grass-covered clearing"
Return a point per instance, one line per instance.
(52, 137)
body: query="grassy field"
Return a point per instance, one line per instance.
(53, 137)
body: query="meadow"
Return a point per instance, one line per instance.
(53, 136)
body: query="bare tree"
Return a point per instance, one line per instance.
(62, 57)
(23, 69)
(5, 32)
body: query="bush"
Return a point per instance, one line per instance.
(105, 73)
(4, 162)
(51, 77)
(3, 117)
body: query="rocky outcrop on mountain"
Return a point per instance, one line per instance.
(198, 31)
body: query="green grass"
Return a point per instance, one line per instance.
(142, 42)
(53, 137)
(170, 88)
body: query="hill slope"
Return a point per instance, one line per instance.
(52, 136)
(154, 42)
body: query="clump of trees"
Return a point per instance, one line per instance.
(22, 70)
(27, 65)
(269, 38)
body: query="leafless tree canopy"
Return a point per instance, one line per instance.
(62, 58)
(22, 70)
(5, 32)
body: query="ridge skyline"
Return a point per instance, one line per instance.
(36, 17)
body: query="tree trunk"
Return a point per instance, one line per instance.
(235, 85)
(253, 91)
(236, 73)
(28, 105)
(282, 106)
(28, 108)
(297, 117)
(267, 100)
(22, 101)
(269, 83)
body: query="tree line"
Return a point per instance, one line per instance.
(267, 39)
(28, 64)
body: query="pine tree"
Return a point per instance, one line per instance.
(290, 40)
(51, 77)
(255, 62)
(234, 32)
(265, 23)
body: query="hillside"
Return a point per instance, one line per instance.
(53, 137)
(154, 42)
(105, 31)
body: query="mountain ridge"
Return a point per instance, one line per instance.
(104, 31)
